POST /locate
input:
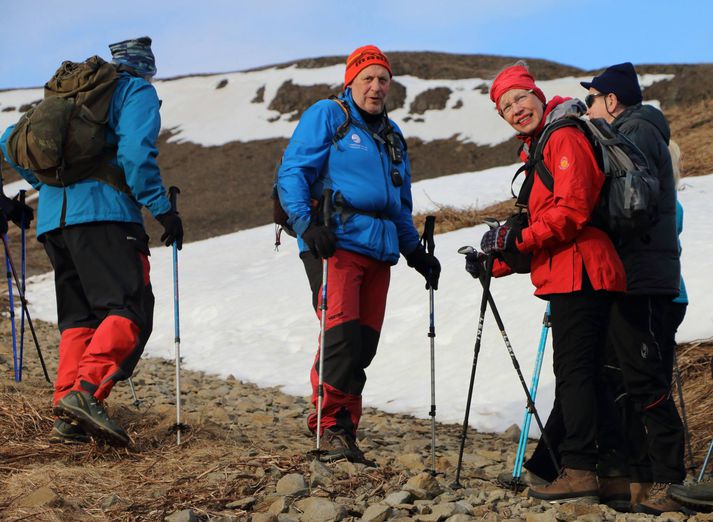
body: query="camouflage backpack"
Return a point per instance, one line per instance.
(63, 139)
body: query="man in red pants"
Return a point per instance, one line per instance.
(351, 147)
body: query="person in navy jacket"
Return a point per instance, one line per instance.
(94, 236)
(367, 168)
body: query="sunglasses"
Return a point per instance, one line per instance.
(589, 100)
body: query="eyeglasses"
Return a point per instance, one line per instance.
(505, 111)
(589, 100)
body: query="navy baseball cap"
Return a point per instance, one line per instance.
(620, 79)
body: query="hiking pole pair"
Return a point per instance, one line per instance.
(327, 214)
(525, 432)
(487, 299)
(430, 247)
(23, 300)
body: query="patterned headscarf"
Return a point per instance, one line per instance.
(135, 53)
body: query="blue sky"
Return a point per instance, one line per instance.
(226, 35)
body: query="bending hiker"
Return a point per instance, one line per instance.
(651, 260)
(367, 168)
(574, 265)
(91, 226)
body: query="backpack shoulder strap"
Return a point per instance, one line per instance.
(537, 157)
(344, 127)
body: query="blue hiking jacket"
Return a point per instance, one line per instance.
(358, 167)
(134, 125)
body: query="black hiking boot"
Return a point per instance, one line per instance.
(337, 444)
(66, 433)
(90, 415)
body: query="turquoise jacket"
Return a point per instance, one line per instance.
(682, 295)
(358, 168)
(134, 125)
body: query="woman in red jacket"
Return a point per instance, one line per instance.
(574, 265)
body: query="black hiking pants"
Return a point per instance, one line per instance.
(639, 335)
(579, 326)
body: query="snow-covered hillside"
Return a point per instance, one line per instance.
(199, 112)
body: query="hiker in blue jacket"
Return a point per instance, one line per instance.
(94, 236)
(366, 166)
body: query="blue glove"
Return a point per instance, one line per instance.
(499, 239)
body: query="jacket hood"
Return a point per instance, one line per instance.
(647, 113)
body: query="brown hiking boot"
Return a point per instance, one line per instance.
(638, 491)
(573, 485)
(615, 493)
(657, 501)
(337, 444)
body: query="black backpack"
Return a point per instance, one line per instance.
(628, 203)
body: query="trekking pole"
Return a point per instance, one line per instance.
(524, 434)
(430, 246)
(327, 210)
(173, 196)
(684, 417)
(705, 462)
(23, 271)
(530, 401)
(476, 350)
(137, 402)
(8, 256)
(11, 298)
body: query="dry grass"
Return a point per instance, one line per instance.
(151, 479)
(450, 218)
(696, 366)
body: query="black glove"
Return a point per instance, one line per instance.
(499, 239)
(475, 264)
(425, 264)
(173, 228)
(3, 223)
(320, 240)
(20, 213)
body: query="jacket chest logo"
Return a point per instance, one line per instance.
(356, 142)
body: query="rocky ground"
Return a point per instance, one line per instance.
(245, 457)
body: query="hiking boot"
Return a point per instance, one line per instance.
(638, 491)
(91, 416)
(615, 493)
(696, 496)
(527, 479)
(573, 485)
(657, 501)
(337, 444)
(66, 433)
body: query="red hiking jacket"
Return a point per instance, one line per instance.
(558, 236)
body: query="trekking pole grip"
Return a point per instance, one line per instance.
(327, 206)
(427, 238)
(173, 193)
